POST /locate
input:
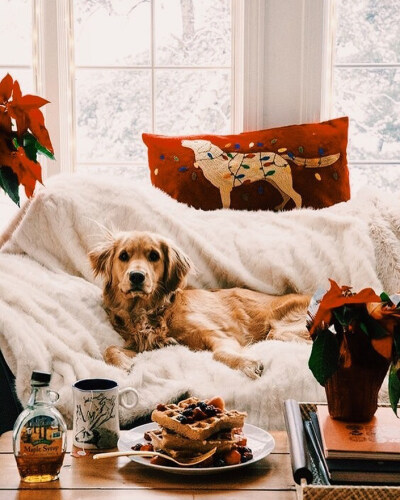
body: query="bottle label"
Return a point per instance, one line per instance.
(41, 436)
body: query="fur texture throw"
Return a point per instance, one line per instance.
(51, 315)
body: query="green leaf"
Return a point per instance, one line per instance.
(245, 166)
(324, 359)
(15, 143)
(32, 147)
(29, 143)
(385, 297)
(270, 172)
(394, 388)
(45, 151)
(9, 182)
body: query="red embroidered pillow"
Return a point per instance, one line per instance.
(274, 169)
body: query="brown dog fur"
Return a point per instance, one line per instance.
(160, 311)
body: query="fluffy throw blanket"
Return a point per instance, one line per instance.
(51, 315)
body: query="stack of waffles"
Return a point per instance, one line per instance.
(193, 427)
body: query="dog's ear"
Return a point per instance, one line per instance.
(101, 258)
(203, 146)
(176, 266)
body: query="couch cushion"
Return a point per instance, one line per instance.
(273, 169)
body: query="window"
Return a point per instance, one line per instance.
(367, 88)
(161, 66)
(16, 42)
(16, 59)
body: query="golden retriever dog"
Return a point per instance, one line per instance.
(148, 305)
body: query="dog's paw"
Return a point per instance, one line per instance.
(126, 363)
(170, 341)
(252, 368)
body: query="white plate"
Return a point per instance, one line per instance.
(260, 442)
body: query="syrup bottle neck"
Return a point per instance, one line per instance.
(39, 396)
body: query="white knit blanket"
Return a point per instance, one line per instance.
(51, 315)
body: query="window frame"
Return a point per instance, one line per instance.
(282, 66)
(53, 65)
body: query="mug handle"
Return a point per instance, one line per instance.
(122, 400)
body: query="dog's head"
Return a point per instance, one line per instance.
(139, 265)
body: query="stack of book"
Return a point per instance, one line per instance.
(366, 452)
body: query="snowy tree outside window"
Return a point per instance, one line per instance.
(160, 66)
(367, 89)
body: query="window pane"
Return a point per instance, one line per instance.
(113, 109)
(193, 32)
(191, 102)
(16, 32)
(371, 98)
(115, 33)
(382, 176)
(24, 77)
(136, 172)
(368, 31)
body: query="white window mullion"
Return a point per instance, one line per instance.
(54, 67)
(248, 25)
(317, 53)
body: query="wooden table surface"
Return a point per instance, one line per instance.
(120, 478)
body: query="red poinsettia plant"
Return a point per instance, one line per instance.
(351, 329)
(23, 136)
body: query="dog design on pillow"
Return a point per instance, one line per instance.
(229, 170)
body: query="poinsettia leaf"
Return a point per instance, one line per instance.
(38, 129)
(324, 358)
(44, 151)
(385, 297)
(9, 182)
(5, 122)
(30, 146)
(6, 86)
(394, 388)
(29, 101)
(16, 91)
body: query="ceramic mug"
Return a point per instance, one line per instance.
(96, 408)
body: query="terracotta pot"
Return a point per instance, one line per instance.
(352, 392)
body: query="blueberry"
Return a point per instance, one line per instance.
(137, 447)
(187, 413)
(202, 405)
(243, 449)
(182, 419)
(191, 407)
(219, 462)
(210, 411)
(246, 457)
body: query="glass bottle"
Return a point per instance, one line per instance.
(40, 434)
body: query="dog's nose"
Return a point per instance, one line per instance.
(136, 277)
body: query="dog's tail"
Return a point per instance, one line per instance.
(323, 161)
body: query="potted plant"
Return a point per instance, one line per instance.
(23, 136)
(356, 339)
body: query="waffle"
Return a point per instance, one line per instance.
(175, 445)
(168, 417)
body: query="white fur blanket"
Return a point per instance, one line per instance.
(51, 317)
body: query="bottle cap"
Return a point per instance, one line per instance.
(40, 378)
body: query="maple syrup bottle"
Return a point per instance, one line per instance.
(40, 434)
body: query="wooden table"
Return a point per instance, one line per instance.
(120, 478)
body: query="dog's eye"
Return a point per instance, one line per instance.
(154, 256)
(124, 256)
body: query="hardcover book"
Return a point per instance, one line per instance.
(378, 439)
